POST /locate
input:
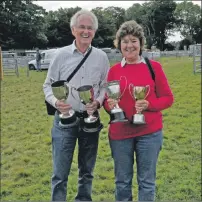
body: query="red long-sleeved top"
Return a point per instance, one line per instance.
(139, 75)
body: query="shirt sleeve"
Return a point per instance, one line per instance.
(52, 76)
(105, 66)
(164, 96)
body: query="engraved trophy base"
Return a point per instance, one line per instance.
(91, 119)
(92, 124)
(92, 127)
(117, 115)
(138, 119)
(68, 119)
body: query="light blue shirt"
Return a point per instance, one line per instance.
(93, 72)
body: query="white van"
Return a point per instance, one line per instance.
(106, 50)
(30, 53)
(46, 57)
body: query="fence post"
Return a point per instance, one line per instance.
(1, 65)
(194, 62)
(197, 58)
(27, 70)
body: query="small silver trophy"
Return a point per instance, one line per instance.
(113, 91)
(86, 95)
(139, 93)
(61, 91)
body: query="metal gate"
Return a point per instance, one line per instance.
(10, 64)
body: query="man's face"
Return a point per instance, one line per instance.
(83, 31)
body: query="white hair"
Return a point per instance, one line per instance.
(74, 18)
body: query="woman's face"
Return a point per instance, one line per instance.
(130, 47)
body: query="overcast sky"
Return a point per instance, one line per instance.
(55, 5)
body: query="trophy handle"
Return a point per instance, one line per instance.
(73, 88)
(52, 80)
(104, 85)
(125, 86)
(67, 87)
(148, 87)
(130, 85)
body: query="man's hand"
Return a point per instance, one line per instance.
(141, 105)
(92, 107)
(62, 107)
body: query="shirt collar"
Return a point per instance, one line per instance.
(74, 48)
(123, 61)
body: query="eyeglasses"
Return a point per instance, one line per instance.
(82, 27)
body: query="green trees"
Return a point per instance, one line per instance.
(189, 16)
(57, 24)
(105, 26)
(24, 24)
(157, 19)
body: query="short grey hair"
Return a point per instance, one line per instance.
(130, 28)
(74, 18)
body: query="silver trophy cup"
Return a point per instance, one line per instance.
(113, 92)
(139, 93)
(61, 91)
(86, 95)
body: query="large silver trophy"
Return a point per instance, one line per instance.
(139, 93)
(113, 91)
(86, 94)
(61, 91)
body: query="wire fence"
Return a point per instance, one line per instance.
(194, 51)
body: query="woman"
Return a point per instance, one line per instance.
(127, 138)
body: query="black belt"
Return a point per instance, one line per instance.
(84, 114)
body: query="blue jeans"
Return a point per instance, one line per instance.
(146, 149)
(63, 145)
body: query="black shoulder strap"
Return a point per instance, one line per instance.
(150, 67)
(79, 65)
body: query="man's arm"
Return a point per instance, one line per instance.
(52, 76)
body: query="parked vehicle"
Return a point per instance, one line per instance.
(46, 57)
(115, 50)
(106, 50)
(30, 53)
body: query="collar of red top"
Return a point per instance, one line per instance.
(123, 61)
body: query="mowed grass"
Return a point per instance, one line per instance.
(26, 162)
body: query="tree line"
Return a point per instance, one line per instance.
(25, 25)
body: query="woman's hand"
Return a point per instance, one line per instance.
(112, 103)
(62, 107)
(141, 105)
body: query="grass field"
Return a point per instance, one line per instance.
(26, 164)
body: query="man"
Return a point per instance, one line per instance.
(94, 71)
(38, 60)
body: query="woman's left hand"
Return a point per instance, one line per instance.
(141, 105)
